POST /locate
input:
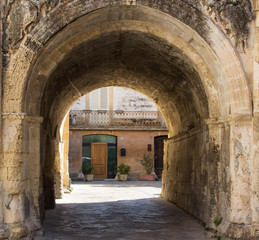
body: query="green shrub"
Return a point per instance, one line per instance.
(218, 221)
(87, 168)
(148, 163)
(122, 169)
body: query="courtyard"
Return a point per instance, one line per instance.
(119, 210)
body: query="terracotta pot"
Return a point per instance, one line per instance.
(89, 177)
(122, 177)
(147, 177)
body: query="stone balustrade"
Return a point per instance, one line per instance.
(103, 118)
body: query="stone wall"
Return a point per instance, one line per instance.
(208, 172)
(192, 58)
(186, 174)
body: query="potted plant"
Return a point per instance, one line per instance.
(147, 162)
(122, 170)
(88, 171)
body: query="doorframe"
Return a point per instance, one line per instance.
(89, 133)
(155, 137)
(106, 160)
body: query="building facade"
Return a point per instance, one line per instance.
(127, 121)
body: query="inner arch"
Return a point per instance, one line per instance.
(136, 60)
(155, 55)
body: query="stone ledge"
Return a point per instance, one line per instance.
(21, 116)
(184, 135)
(229, 119)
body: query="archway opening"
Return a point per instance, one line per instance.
(162, 72)
(126, 121)
(148, 59)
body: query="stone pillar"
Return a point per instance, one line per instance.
(2, 168)
(110, 98)
(20, 174)
(256, 59)
(32, 130)
(230, 171)
(218, 172)
(13, 175)
(87, 101)
(255, 184)
(65, 140)
(241, 174)
(61, 159)
(58, 169)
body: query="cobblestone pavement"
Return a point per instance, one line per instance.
(119, 210)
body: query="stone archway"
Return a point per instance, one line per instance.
(182, 66)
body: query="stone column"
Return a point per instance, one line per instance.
(87, 101)
(32, 131)
(65, 140)
(61, 159)
(20, 174)
(2, 168)
(58, 169)
(241, 174)
(256, 58)
(218, 171)
(255, 183)
(230, 170)
(111, 108)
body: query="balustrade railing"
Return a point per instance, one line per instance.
(103, 118)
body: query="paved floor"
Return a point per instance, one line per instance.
(119, 210)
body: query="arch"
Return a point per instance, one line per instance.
(214, 77)
(229, 78)
(183, 67)
(173, 69)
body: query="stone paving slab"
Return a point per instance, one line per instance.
(119, 210)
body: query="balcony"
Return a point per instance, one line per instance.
(102, 119)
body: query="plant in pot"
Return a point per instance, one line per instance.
(148, 163)
(122, 170)
(88, 171)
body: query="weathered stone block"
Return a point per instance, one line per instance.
(14, 187)
(239, 231)
(16, 173)
(4, 232)
(18, 231)
(13, 159)
(12, 216)
(3, 173)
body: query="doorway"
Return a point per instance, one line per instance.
(159, 154)
(93, 150)
(99, 160)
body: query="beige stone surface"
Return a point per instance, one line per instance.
(192, 58)
(18, 231)
(65, 140)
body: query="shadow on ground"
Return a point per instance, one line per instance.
(116, 210)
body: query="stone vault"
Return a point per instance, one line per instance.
(197, 60)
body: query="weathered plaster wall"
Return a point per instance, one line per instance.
(135, 143)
